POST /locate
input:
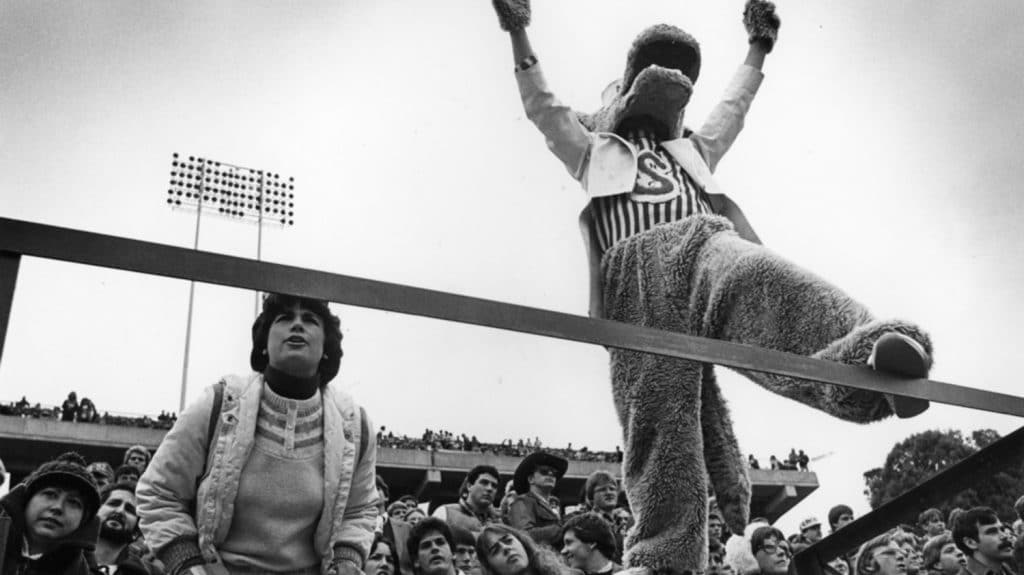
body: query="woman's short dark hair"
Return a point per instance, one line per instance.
(378, 537)
(273, 305)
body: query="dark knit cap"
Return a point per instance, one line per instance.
(67, 470)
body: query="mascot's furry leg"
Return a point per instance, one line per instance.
(697, 276)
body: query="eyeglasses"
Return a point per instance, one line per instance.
(550, 472)
(772, 548)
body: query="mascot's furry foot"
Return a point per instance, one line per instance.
(898, 354)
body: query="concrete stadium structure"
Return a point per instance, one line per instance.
(431, 475)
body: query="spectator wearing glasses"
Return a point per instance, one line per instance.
(771, 551)
(942, 557)
(535, 480)
(881, 556)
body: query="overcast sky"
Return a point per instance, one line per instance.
(883, 152)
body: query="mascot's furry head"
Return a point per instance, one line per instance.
(661, 68)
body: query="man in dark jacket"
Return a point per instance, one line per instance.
(48, 523)
(534, 481)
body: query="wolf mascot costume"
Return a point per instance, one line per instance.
(669, 251)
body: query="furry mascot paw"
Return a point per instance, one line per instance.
(512, 14)
(762, 23)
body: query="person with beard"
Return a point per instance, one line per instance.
(49, 521)
(430, 545)
(942, 557)
(503, 550)
(476, 506)
(534, 480)
(980, 534)
(118, 547)
(383, 558)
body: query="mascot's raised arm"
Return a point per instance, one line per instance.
(670, 251)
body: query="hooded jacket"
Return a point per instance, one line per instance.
(69, 558)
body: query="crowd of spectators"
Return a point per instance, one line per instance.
(85, 411)
(439, 440)
(588, 538)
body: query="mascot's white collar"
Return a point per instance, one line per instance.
(612, 167)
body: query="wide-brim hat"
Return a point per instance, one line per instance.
(520, 480)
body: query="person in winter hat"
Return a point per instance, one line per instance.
(50, 520)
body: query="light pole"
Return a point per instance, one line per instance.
(232, 191)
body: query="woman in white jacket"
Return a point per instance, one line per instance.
(272, 472)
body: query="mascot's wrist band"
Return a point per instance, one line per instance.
(526, 63)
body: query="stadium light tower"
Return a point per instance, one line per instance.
(231, 191)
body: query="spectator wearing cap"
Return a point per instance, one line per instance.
(839, 516)
(810, 530)
(930, 522)
(588, 544)
(102, 473)
(475, 508)
(534, 480)
(942, 557)
(985, 541)
(138, 457)
(50, 520)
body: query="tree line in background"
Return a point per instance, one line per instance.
(922, 455)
